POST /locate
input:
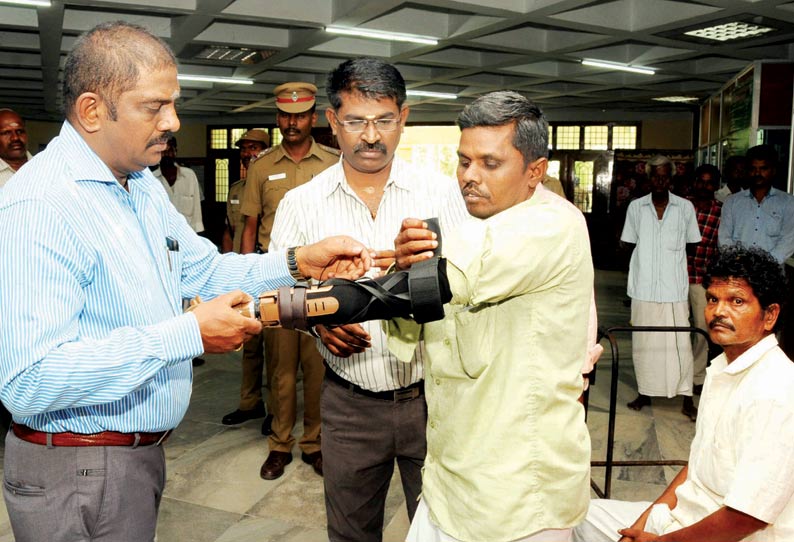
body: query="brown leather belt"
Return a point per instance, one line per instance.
(105, 438)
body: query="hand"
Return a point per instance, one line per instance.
(223, 328)
(343, 341)
(414, 243)
(382, 259)
(636, 535)
(338, 256)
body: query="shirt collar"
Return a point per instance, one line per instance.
(672, 199)
(87, 165)
(771, 194)
(751, 356)
(6, 165)
(398, 176)
(281, 154)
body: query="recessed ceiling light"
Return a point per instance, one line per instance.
(211, 79)
(618, 66)
(31, 3)
(381, 35)
(431, 94)
(677, 99)
(730, 31)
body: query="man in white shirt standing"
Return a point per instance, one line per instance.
(658, 227)
(13, 144)
(739, 482)
(182, 186)
(372, 405)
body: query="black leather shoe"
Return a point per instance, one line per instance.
(273, 467)
(267, 427)
(240, 416)
(198, 362)
(640, 402)
(314, 459)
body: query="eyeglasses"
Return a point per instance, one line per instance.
(359, 125)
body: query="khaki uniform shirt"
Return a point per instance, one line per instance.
(234, 217)
(275, 172)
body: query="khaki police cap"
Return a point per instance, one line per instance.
(295, 97)
(255, 134)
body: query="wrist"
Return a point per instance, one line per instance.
(295, 264)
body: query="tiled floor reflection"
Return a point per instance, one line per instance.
(214, 492)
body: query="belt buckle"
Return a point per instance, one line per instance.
(406, 395)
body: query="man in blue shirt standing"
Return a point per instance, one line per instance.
(95, 352)
(760, 216)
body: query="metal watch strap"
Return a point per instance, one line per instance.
(292, 264)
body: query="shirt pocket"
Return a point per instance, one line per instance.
(474, 333)
(673, 237)
(184, 204)
(774, 224)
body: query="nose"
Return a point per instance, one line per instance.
(169, 121)
(370, 133)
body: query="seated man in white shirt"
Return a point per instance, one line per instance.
(739, 484)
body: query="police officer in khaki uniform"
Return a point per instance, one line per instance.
(295, 161)
(251, 144)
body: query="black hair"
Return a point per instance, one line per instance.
(369, 76)
(531, 129)
(762, 152)
(757, 267)
(708, 168)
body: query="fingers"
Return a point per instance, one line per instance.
(223, 328)
(383, 259)
(344, 341)
(414, 243)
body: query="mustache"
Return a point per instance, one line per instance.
(162, 140)
(363, 146)
(719, 321)
(469, 190)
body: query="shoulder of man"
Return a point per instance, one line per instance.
(330, 150)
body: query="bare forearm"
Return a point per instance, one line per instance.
(724, 525)
(248, 239)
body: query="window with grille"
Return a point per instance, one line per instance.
(596, 138)
(568, 137)
(219, 138)
(624, 137)
(221, 179)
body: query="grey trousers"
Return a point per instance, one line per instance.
(362, 437)
(96, 493)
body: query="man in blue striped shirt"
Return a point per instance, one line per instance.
(94, 349)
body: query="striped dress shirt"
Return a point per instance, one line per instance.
(327, 205)
(92, 336)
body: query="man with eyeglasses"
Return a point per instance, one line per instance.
(372, 405)
(292, 163)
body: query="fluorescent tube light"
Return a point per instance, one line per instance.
(676, 99)
(381, 35)
(618, 66)
(211, 79)
(31, 3)
(431, 94)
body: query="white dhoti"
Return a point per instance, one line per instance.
(662, 360)
(605, 517)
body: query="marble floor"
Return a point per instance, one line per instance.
(214, 492)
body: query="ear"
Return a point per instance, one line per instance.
(770, 316)
(536, 171)
(404, 112)
(89, 111)
(331, 118)
(314, 118)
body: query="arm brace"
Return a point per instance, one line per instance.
(417, 293)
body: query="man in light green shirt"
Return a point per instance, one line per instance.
(508, 452)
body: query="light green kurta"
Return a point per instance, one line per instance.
(508, 452)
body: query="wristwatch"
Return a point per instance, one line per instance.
(292, 265)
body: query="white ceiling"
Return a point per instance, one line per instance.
(532, 46)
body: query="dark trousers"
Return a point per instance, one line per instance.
(72, 494)
(362, 437)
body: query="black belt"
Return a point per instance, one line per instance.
(417, 389)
